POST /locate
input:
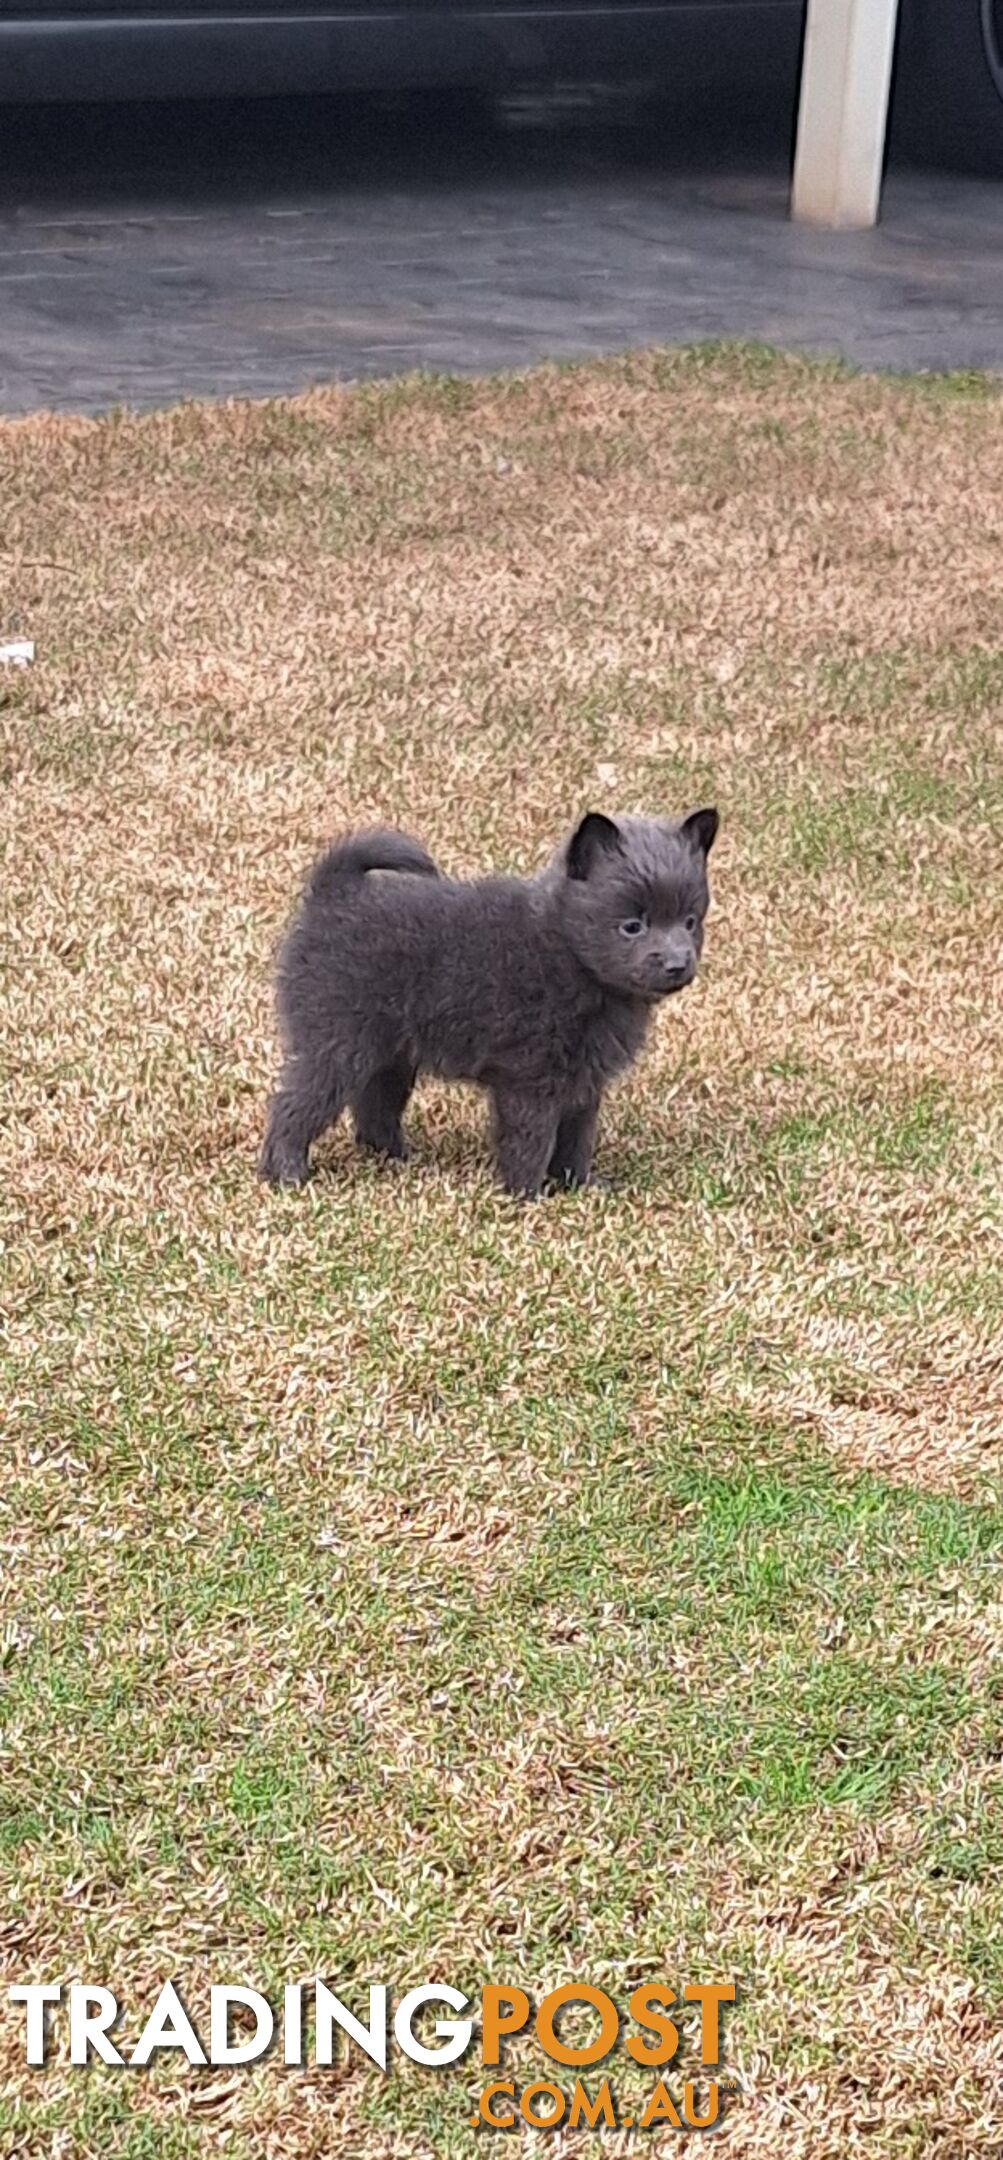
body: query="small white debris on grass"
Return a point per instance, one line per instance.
(17, 652)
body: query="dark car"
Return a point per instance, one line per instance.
(949, 94)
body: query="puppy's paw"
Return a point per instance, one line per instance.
(391, 1147)
(279, 1167)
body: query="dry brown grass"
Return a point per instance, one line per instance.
(684, 1495)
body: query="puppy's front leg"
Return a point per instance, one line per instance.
(571, 1160)
(525, 1130)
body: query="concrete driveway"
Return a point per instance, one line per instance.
(190, 252)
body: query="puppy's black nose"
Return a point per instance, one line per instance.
(676, 978)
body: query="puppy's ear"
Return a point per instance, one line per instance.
(595, 836)
(700, 830)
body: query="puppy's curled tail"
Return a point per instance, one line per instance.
(359, 852)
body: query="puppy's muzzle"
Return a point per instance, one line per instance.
(665, 976)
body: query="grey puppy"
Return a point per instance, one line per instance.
(539, 989)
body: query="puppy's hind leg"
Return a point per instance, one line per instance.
(378, 1106)
(308, 1099)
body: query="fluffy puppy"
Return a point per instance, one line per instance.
(538, 989)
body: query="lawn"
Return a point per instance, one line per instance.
(401, 1583)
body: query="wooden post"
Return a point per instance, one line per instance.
(845, 77)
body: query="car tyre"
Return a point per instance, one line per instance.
(948, 96)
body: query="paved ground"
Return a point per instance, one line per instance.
(153, 257)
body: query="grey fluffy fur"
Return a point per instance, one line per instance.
(538, 989)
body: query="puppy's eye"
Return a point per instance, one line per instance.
(690, 925)
(635, 926)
